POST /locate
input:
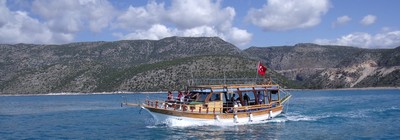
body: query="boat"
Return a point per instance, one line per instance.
(214, 104)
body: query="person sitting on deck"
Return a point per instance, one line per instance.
(170, 96)
(246, 99)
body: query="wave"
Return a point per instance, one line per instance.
(298, 117)
(385, 109)
(53, 109)
(295, 117)
(353, 114)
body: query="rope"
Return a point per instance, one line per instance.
(287, 108)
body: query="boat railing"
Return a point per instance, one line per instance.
(184, 107)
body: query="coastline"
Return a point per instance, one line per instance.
(155, 92)
(86, 93)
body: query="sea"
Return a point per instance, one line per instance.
(310, 114)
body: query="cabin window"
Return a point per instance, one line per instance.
(262, 97)
(274, 95)
(234, 97)
(202, 97)
(252, 99)
(224, 97)
(215, 97)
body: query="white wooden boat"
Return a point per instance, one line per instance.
(220, 105)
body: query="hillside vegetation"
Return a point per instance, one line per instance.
(171, 63)
(128, 65)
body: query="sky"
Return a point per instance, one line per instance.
(244, 23)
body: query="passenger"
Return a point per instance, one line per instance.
(181, 96)
(170, 96)
(194, 96)
(238, 103)
(238, 99)
(187, 96)
(260, 98)
(246, 99)
(233, 98)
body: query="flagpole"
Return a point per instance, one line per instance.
(264, 74)
(255, 79)
(257, 72)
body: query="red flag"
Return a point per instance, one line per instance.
(261, 69)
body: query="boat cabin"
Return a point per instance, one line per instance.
(222, 99)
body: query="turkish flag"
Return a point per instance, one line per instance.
(261, 69)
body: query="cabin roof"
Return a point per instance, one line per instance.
(226, 88)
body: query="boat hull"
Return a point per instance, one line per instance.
(179, 118)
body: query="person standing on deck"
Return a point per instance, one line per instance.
(233, 98)
(260, 98)
(246, 99)
(181, 96)
(187, 96)
(170, 96)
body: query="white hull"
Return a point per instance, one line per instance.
(186, 121)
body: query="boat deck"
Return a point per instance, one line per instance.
(184, 107)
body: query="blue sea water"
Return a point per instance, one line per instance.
(312, 114)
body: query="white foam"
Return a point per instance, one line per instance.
(394, 108)
(299, 117)
(363, 113)
(383, 109)
(183, 123)
(277, 120)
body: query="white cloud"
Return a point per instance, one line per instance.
(235, 35)
(53, 21)
(189, 13)
(157, 31)
(280, 15)
(388, 39)
(19, 27)
(4, 13)
(59, 21)
(342, 20)
(70, 16)
(368, 20)
(183, 18)
(239, 36)
(200, 31)
(141, 17)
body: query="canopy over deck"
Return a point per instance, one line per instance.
(236, 87)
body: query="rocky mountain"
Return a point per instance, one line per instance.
(171, 63)
(128, 65)
(324, 66)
